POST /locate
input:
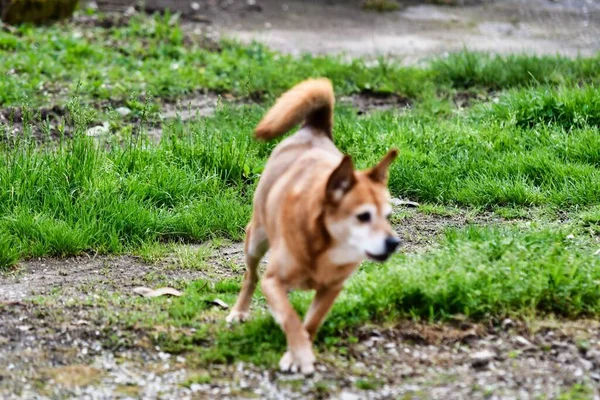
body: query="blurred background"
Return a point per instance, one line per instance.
(410, 30)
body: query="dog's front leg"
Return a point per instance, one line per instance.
(299, 355)
(320, 306)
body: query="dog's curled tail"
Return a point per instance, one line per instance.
(310, 101)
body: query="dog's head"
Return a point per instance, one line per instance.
(358, 210)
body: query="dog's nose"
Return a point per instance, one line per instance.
(391, 244)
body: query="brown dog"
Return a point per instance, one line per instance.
(319, 217)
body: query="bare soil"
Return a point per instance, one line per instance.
(67, 351)
(416, 31)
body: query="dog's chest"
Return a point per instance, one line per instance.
(325, 275)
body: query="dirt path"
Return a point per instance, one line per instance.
(414, 32)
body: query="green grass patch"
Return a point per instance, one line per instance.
(468, 69)
(380, 5)
(155, 56)
(566, 107)
(197, 184)
(78, 195)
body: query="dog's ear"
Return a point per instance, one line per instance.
(379, 173)
(341, 180)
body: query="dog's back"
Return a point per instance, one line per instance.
(309, 149)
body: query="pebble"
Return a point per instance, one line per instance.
(99, 130)
(521, 341)
(508, 323)
(482, 358)
(345, 395)
(123, 111)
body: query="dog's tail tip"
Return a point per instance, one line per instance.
(311, 101)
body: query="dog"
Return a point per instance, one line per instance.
(318, 215)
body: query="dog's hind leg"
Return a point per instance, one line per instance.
(255, 247)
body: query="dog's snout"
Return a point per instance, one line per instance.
(391, 244)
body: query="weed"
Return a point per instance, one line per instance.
(380, 5)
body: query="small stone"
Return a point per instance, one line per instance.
(587, 365)
(92, 5)
(253, 5)
(345, 395)
(129, 11)
(123, 111)
(570, 236)
(268, 25)
(594, 357)
(482, 358)
(195, 6)
(195, 387)
(508, 323)
(99, 130)
(521, 341)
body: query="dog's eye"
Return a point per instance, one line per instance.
(364, 217)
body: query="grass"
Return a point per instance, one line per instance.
(155, 56)
(168, 62)
(78, 196)
(494, 72)
(380, 5)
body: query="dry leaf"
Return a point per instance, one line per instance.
(220, 303)
(147, 292)
(404, 203)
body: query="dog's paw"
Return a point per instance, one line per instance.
(286, 362)
(237, 316)
(303, 362)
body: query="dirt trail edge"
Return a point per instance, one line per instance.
(415, 31)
